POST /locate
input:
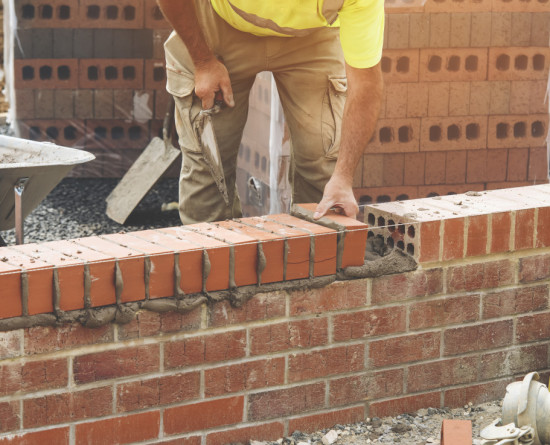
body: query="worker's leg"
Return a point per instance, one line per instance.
(310, 76)
(200, 200)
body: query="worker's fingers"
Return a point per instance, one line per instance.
(207, 100)
(322, 208)
(227, 93)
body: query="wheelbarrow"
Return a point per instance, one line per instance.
(29, 170)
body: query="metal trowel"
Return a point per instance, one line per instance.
(204, 130)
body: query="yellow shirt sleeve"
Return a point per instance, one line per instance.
(362, 32)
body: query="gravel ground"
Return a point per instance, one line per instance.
(420, 428)
(76, 208)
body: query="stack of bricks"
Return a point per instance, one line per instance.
(464, 105)
(90, 74)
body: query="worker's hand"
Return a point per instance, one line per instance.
(211, 77)
(338, 193)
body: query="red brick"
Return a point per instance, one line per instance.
(497, 164)
(393, 166)
(372, 171)
(10, 290)
(476, 243)
(44, 374)
(297, 245)
(10, 414)
(447, 72)
(205, 349)
(534, 268)
(286, 402)
(475, 394)
(477, 166)
(70, 273)
(244, 376)
(106, 19)
(402, 57)
(515, 301)
(354, 236)
(471, 277)
(264, 432)
(324, 241)
(351, 294)
(435, 171)
(402, 405)
(193, 440)
(372, 385)
(262, 307)
(514, 71)
(130, 262)
(39, 276)
(147, 323)
(68, 68)
(414, 168)
(153, 16)
(311, 365)
(513, 362)
(218, 256)
(101, 66)
(396, 100)
(371, 323)
(456, 432)
(288, 335)
(116, 363)
(438, 99)
(518, 159)
(59, 436)
(533, 327)
(272, 246)
(453, 239)
(398, 287)
(404, 349)
(543, 222)
(429, 241)
(538, 159)
(435, 375)
(203, 415)
(316, 422)
(161, 274)
(245, 250)
(119, 430)
(500, 232)
(154, 392)
(155, 75)
(445, 311)
(417, 99)
(67, 407)
(478, 337)
(525, 225)
(455, 167)
(40, 339)
(101, 269)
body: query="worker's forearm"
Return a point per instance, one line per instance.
(183, 17)
(359, 120)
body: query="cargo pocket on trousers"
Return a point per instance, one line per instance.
(182, 86)
(331, 115)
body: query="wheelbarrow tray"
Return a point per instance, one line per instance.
(43, 163)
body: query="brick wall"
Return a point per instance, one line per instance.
(173, 357)
(464, 105)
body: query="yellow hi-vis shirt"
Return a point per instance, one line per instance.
(361, 22)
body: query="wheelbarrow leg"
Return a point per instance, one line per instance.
(19, 188)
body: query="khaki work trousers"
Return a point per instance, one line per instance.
(310, 76)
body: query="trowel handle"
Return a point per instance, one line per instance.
(168, 123)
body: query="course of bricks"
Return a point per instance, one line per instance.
(464, 105)
(473, 317)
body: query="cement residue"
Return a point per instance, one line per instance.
(380, 260)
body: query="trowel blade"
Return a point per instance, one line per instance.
(209, 147)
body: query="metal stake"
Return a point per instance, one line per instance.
(19, 188)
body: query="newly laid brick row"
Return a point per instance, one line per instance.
(461, 226)
(120, 268)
